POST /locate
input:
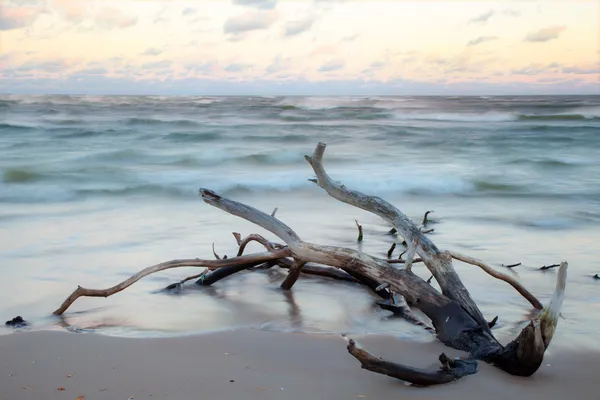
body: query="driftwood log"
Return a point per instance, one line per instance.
(452, 313)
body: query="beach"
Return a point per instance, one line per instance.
(253, 364)
(96, 188)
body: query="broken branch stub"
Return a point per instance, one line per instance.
(450, 370)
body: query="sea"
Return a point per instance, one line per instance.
(95, 188)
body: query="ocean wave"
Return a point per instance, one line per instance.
(551, 162)
(322, 103)
(559, 117)
(282, 138)
(138, 190)
(20, 175)
(15, 127)
(199, 137)
(160, 122)
(74, 133)
(457, 117)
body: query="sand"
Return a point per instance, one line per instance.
(253, 364)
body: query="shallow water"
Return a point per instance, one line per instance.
(93, 189)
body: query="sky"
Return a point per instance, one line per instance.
(271, 47)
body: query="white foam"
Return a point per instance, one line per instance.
(457, 117)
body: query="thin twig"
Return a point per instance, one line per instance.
(425, 221)
(391, 250)
(214, 252)
(511, 265)
(360, 231)
(545, 267)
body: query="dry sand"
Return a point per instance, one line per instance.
(251, 364)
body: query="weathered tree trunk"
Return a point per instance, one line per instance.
(456, 319)
(455, 316)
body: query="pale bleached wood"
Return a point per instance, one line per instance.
(254, 258)
(549, 315)
(499, 275)
(439, 263)
(413, 288)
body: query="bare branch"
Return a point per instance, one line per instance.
(274, 212)
(214, 252)
(545, 267)
(499, 275)
(425, 220)
(439, 264)
(311, 269)
(391, 250)
(511, 265)
(411, 253)
(293, 275)
(80, 291)
(450, 370)
(360, 231)
(252, 238)
(525, 354)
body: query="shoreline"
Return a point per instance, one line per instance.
(262, 365)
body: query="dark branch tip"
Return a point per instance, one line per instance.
(208, 194)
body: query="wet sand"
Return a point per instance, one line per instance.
(253, 364)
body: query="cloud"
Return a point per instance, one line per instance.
(546, 34)
(47, 66)
(326, 49)
(279, 64)
(157, 64)
(18, 17)
(580, 70)
(99, 84)
(261, 4)
(332, 65)
(294, 28)
(202, 67)
(189, 11)
(350, 38)
(237, 67)
(482, 18)
(92, 71)
(152, 51)
(73, 11)
(481, 39)
(537, 69)
(511, 13)
(249, 21)
(375, 66)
